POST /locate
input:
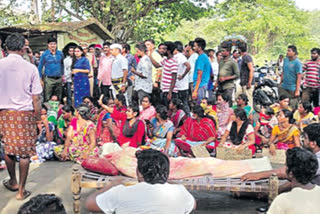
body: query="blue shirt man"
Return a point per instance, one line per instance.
(290, 71)
(202, 64)
(52, 61)
(291, 76)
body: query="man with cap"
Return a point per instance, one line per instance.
(119, 72)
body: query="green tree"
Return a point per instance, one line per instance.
(133, 19)
(269, 26)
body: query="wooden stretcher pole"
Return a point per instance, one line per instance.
(273, 187)
(76, 189)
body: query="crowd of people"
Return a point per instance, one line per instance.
(100, 98)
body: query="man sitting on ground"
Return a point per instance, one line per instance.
(151, 195)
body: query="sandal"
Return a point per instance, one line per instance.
(8, 186)
(25, 195)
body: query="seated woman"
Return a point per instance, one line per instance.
(242, 102)
(93, 109)
(148, 111)
(208, 108)
(107, 129)
(283, 104)
(81, 139)
(132, 131)
(198, 129)
(160, 132)
(285, 135)
(176, 113)
(120, 103)
(304, 196)
(240, 132)
(45, 141)
(63, 123)
(304, 116)
(224, 113)
(267, 120)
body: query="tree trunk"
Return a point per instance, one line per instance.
(35, 10)
(53, 4)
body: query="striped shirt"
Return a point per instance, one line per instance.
(311, 71)
(169, 67)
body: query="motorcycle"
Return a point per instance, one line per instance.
(265, 94)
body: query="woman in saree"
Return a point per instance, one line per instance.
(81, 139)
(132, 131)
(198, 129)
(107, 129)
(242, 102)
(63, 123)
(207, 106)
(264, 125)
(80, 70)
(285, 135)
(176, 113)
(148, 111)
(304, 116)
(224, 114)
(160, 132)
(240, 133)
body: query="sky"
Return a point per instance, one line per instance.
(308, 4)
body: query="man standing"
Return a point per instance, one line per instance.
(202, 70)
(143, 79)
(28, 54)
(311, 82)
(119, 73)
(156, 72)
(183, 76)
(105, 69)
(93, 64)
(291, 76)
(20, 108)
(192, 58)
(246, 73)
(67, 74)
(228, 73)
(169, 74)
(2, 53)
(52, 61)
(132, 63)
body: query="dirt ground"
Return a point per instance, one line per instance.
(54, 177)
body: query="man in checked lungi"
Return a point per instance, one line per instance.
(20, 109)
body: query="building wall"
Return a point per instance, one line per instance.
(79, 36)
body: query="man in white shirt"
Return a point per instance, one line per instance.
(67, 62)
(192, 58)
(143, 74)
(304, 197)
(151, 195)
(119, 73)
(183, 76)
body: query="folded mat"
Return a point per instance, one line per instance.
(183, 167)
